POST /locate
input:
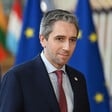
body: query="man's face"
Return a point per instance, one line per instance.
(60, 44)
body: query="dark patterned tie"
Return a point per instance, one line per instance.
(62, 98)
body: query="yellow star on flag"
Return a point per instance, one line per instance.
(93, 37)
(29, 32)
(80, 34)
(99, 97)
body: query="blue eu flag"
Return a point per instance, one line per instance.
(86, 59)
(29, 45)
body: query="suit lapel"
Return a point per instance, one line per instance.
(45, 83)
(74, 80)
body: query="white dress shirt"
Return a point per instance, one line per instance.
(66, 83)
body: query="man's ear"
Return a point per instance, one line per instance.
(42, 41)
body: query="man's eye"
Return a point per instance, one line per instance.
(59, 38)
(73, 40)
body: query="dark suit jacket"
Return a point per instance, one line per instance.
(27, 88)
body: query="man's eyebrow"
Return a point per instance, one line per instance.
(74, 37)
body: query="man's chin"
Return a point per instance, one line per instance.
(63, 62)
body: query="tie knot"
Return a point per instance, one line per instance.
(59, 72)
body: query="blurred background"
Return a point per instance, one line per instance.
(102, 17)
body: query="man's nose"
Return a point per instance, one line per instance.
(66, 45)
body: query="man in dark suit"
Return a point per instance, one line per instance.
(34, 86)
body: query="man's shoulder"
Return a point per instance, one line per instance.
(24, 68)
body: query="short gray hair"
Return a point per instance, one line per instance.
(52, 16)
